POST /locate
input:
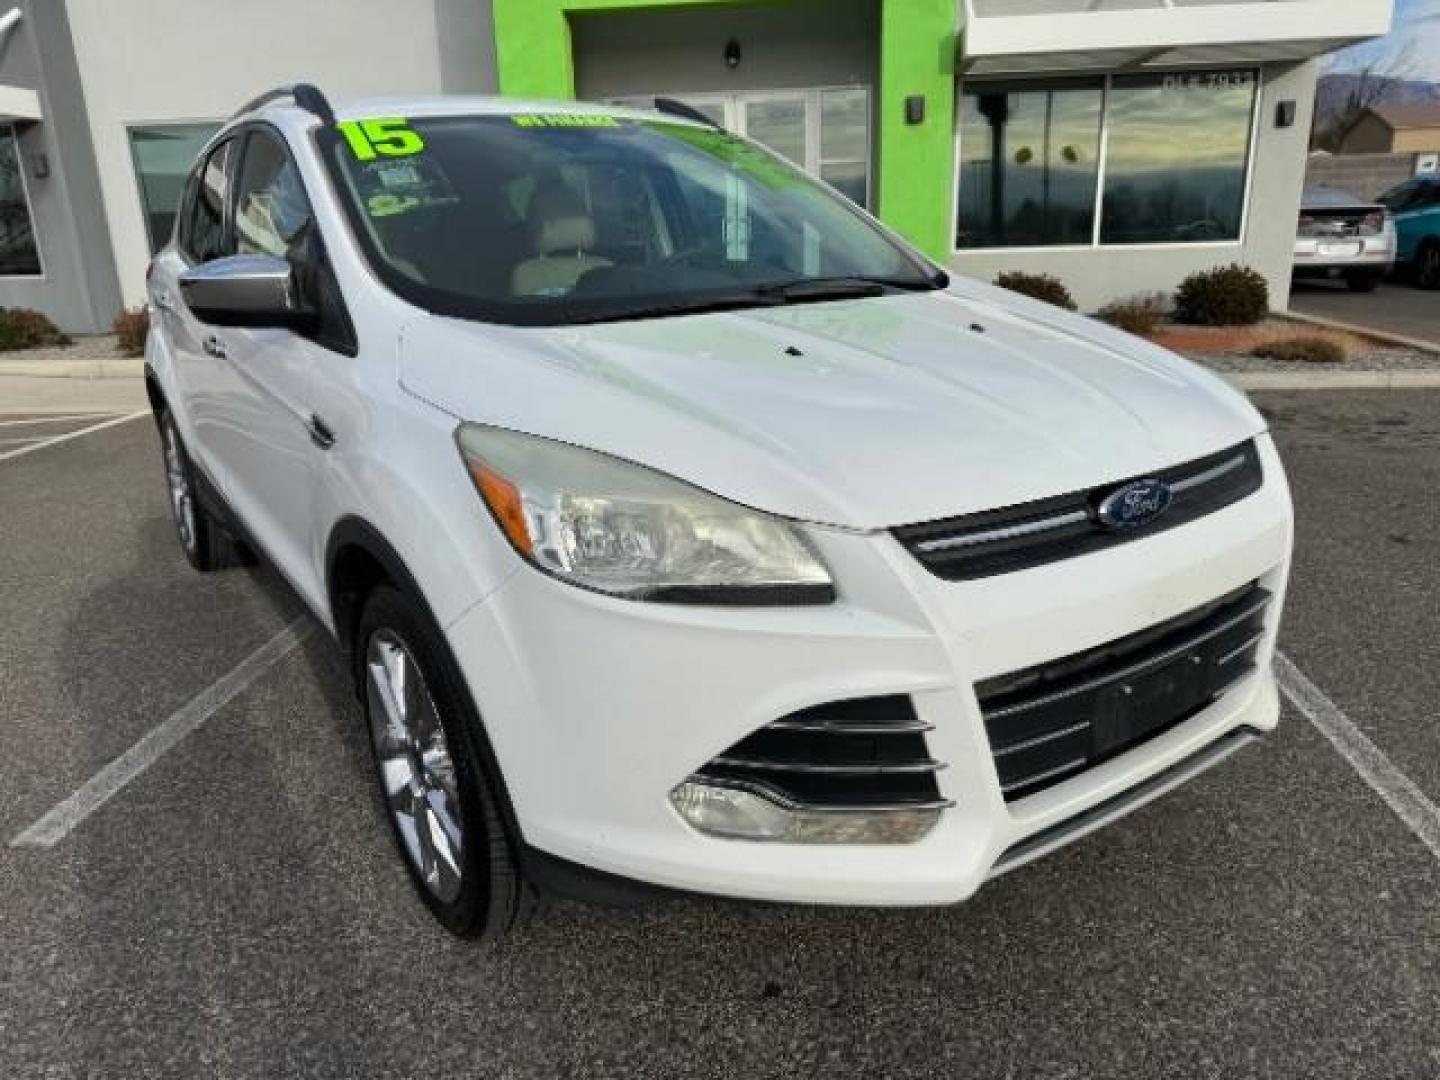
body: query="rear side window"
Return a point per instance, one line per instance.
(202, 231)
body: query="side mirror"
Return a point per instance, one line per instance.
(244, 290)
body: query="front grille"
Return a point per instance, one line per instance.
(865, 752)
(1049, 722)
(1032, 534)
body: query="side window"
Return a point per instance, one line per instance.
(273, 217)
(271, 210)
(202, 233)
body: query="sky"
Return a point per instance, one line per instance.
(1412, 50)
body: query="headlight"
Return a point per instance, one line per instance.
(619, 528)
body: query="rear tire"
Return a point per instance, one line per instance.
(1362, 281)
(442, 806)
(206, 545)
(1427, 265)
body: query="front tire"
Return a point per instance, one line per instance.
(1362, 281)
(1427, 265)
(204, 542)
(443, 811)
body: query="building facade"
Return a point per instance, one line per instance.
(1118, 144)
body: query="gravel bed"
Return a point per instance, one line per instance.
(1379, 359)
(89, 347)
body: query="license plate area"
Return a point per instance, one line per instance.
(1051, 722)
(1352, 247)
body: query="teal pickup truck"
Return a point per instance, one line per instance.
(1415, 205)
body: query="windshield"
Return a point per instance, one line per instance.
(535, 219)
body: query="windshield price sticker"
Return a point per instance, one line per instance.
(390, 136)
(564, 120)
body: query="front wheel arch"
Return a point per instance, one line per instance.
(358, 558)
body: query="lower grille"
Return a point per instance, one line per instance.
(1048, 723)
(865, 753)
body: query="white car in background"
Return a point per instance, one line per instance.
(1342, 236)
(685, 529)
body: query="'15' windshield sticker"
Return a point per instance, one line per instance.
(389, 136)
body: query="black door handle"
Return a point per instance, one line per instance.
(320, 433)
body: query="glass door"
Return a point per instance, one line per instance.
(824, 130)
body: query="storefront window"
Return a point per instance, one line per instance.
(1175, 161)
(18, 254)
(164, 156)
(1129, 159)
(1030, 158)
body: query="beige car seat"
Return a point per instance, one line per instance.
(563, 233)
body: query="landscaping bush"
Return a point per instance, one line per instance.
(1226, 296)
(1306, 350)
(22, 328)
(1038, 287)
(131, 326)
(1136, 314)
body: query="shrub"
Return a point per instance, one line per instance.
(1306, 350)
(1226, 296)
(1136, 314)
(22, 328)
(131, 326)
(1039, 287)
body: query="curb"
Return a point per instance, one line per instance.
(74, 369)
(1334, 380)
(1418, 344)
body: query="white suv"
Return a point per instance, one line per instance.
(685, 528)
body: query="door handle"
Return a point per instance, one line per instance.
(213, 346)
(320, 433)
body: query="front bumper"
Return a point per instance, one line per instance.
(598, 707)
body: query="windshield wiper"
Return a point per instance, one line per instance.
(729, 301)
(840, 288)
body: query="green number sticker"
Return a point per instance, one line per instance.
(389, 136)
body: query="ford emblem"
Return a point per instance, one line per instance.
(1137, 503)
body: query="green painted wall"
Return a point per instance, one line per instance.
(914, 164)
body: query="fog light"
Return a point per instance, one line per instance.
(744, 815)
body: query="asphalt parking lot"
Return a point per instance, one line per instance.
(1397, 307)
(237, 911)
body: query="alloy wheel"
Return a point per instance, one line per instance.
(182, 499)
(416, 767)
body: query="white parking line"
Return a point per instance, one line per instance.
(56, 419)
(63, 818)
(1400, 793)
(72, 435)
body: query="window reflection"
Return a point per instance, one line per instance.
(1175, 164)
(164, 156)
(1029, 160)
(18, 254)
(1175, 149)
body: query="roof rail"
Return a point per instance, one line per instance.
(688, 112)
(305, 95)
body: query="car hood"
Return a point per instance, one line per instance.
(863, 413)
